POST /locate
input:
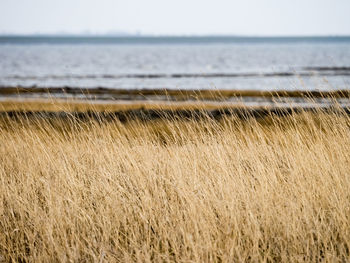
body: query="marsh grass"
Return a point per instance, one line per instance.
(233, 190)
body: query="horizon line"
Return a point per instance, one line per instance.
(169, 35)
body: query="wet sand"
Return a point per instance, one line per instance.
(169, 94)
(149, 104)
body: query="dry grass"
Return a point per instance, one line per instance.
(176, 190)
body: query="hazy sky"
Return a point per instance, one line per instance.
(239, 17)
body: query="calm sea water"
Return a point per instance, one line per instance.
(176, 62)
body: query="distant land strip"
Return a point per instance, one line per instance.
(120, 40)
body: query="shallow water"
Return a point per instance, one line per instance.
(188, 64)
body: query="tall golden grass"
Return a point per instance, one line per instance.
(233, 190)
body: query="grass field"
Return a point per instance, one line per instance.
(230, 190)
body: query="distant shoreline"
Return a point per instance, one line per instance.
(136, 39)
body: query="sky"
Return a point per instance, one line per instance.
(176, 17)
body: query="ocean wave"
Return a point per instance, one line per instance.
(309, 71)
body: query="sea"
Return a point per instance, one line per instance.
(140, 62)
